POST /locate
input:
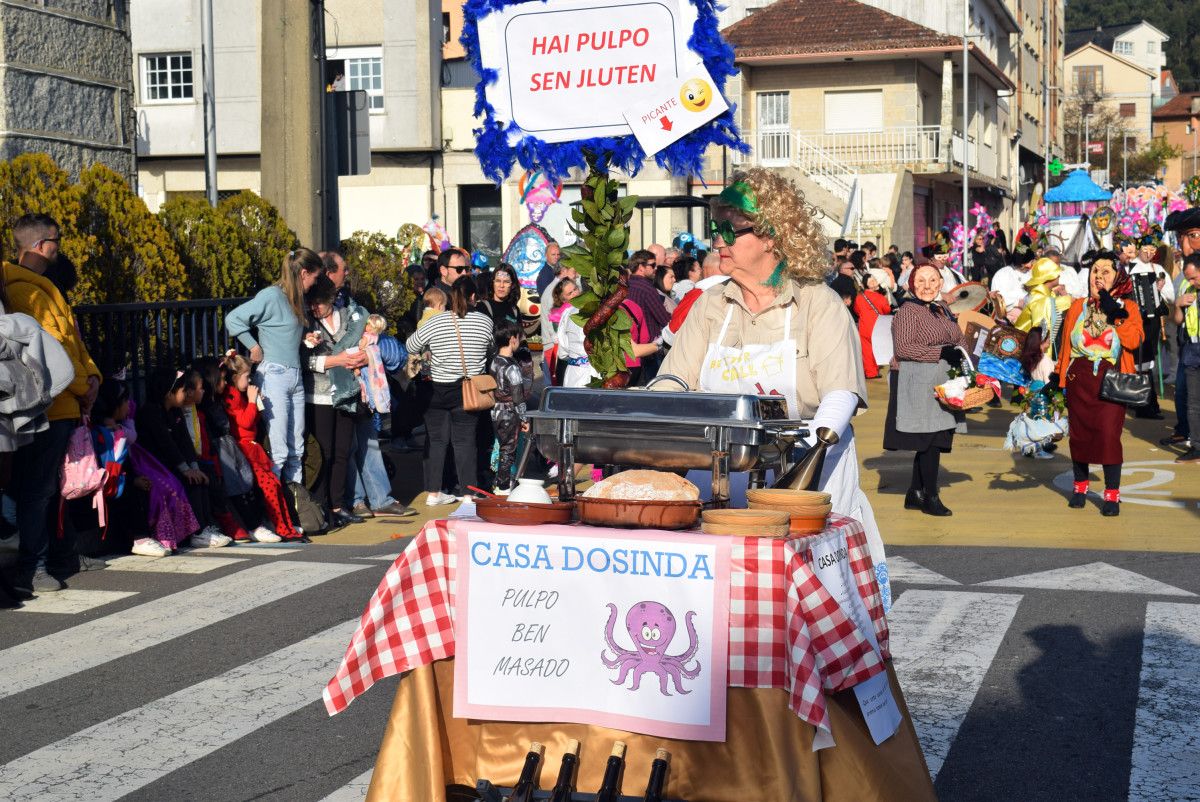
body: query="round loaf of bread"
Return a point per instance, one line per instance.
(644, 485)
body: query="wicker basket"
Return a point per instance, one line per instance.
(973, 398)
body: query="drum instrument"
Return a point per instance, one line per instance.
(969, 297)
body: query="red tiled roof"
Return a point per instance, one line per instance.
(796, 27)
(1177, 107)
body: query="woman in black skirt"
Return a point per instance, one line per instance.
(926, 339)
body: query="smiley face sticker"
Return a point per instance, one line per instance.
(695, 94)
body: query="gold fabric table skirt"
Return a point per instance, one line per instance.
(767, 755)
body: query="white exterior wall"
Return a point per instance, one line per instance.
(1148, 50)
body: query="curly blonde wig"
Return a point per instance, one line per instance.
(783, 215)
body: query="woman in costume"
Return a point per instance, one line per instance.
(1099, 334)
(1039, 423)
(776, 328)
(926, 339)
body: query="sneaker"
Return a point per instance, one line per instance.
(42, 582)
(1040, 454)
(362, 510)
(1192, 455)
(210, 537)
(440, 499)
(149, 547)
(263, 535)
(1174, 440)
(396, 508)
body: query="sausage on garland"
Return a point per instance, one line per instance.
(607, 309)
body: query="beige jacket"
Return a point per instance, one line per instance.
(828, 353)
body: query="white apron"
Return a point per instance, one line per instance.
(770, 369)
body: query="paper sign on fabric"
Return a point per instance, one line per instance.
(831, 564)
(674, 108)
(567, 69)
(623, 630)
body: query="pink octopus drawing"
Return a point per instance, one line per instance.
(651, 627)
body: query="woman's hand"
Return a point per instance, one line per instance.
(312, 339)
(256, 354)
(346, 360)
(252, 394)
(195, 477)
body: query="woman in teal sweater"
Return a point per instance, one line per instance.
(271, 325)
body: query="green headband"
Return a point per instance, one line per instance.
(740, 196)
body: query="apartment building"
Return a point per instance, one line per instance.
(873, 106)
(1099, 77)
(66, 77)
(1137, 42)
(1178, 122)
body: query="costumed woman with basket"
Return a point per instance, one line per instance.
(1040, 423)
(1100, 335)
(927, 342)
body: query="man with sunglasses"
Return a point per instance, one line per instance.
(451, 265)
(43, 559)
(642, 266)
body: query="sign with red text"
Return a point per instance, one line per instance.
(674, 108)
(627, 630)
(567, 69)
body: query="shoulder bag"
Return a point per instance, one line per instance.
(478, 392)
(1130, 389)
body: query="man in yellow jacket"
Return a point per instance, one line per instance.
(35, 482)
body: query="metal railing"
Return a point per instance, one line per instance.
(143, 336)
(915, 144)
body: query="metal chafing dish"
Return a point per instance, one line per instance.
(669, 430)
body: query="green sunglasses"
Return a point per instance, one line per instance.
(726, 231)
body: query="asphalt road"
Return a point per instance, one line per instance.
(1081, 684)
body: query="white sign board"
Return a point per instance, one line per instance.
(619, 629)
(675, 107)
(831, 564)
(568, 69)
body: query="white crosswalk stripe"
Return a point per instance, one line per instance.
(88, 645)
(175, 564)
(132, 750)
(943, 642)
(72, 600)
(1166, 740)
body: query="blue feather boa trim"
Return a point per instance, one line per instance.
(684, 157)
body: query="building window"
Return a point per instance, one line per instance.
(1089, 81)
(357, 68)
(854, 111)
(1151, 46)
(167, 77)
(1128, 109)
(367, 74)
(1123, 48)
(774, 120)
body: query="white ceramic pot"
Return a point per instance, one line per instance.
(530, 491)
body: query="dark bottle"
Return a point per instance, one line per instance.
(564, 788)
(610, 787)
(658, 776)
(527, 784)
(806, 474)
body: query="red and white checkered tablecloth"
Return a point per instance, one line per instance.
(785, 629)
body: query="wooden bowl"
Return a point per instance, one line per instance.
(741, 530)
(520, 513)
(792, 509)
(772, 495)
(747, 519)
(638, 514)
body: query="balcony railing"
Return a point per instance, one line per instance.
(810, 150)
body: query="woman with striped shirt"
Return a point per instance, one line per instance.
(459, 342)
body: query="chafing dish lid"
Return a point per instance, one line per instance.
(727, 408)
